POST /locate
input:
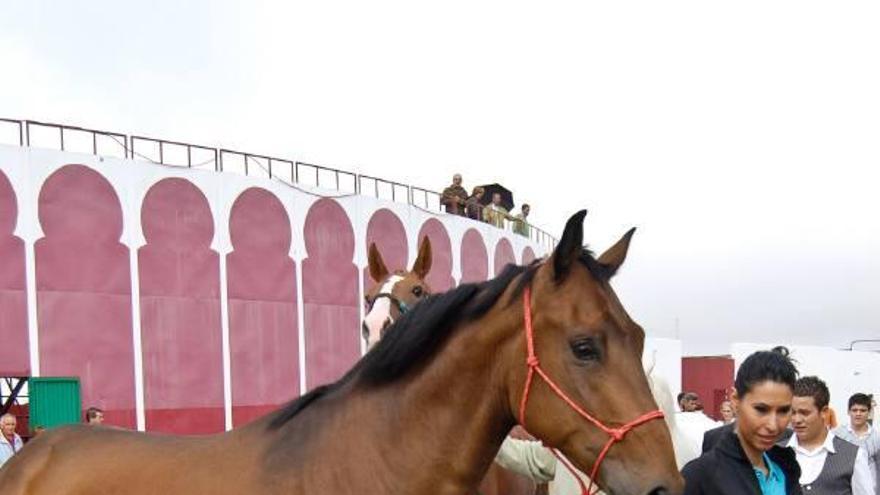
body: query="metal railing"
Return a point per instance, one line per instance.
(32, 127)
(182, 154)
(18, 125)
(176, 147)
(380, 185)
(322, 171)
(249, 160)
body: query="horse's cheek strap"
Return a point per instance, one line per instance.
(534, 366)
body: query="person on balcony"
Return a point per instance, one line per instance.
(454, 197)
(473, 207)
(520, 224)
(495, 213)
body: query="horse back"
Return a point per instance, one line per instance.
(88, 460)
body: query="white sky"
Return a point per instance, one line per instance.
(743, 138)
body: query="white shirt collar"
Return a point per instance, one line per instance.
(827, 445)
(15, 439)
(850, 429)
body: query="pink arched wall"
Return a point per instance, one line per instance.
(13, 295)
(287, 331)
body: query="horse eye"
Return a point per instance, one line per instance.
(418, 291)
(585, 350)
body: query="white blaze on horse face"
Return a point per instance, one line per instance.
(380, 312)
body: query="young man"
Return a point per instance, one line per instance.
(861, 433)
(10, 442)
(829, 465)
(687, 401)
(94, 416)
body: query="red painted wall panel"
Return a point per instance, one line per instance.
(474, 258)
(331, 312)
(14, 355)
(503, 255)
(263, 329)
(528, 256)
(389, 234)
(440, 278)
(84, 291)
(710, 377)
(180, 311)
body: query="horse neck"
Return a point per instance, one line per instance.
(452, 412)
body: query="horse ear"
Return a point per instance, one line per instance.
(616, 254)
(378, 271)
(570, 246)
(423, 262)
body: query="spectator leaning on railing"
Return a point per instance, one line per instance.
(454, 197)
(520, 224)
(495, 213)
(473, 208)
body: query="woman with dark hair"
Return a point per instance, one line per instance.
(746, 459)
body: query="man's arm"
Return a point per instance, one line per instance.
(528, 458)
(446, 198)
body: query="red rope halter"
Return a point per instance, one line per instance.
(615, 434)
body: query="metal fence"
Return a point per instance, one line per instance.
(181, 154)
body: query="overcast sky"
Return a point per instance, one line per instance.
(741, 138)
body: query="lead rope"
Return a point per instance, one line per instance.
(534, 365)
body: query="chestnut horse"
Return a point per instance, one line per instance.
(393, 294)
(425, 410)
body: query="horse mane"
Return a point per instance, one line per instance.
(416, 336)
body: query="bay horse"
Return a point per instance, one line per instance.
(425, 410)
(394, 292)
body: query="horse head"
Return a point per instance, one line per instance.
(578, 384)
(394, 293)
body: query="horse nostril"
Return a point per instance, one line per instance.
(659, 491)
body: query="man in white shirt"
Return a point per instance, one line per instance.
(861, 433)
(10, 442)
(829, 464)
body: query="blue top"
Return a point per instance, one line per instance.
(774, 483)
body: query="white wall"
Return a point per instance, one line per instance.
(845, 372)
(665, 356)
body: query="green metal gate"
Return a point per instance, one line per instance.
(54, 401)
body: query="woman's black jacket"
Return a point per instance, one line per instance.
(725, 470)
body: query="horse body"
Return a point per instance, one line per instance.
(424, 411)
